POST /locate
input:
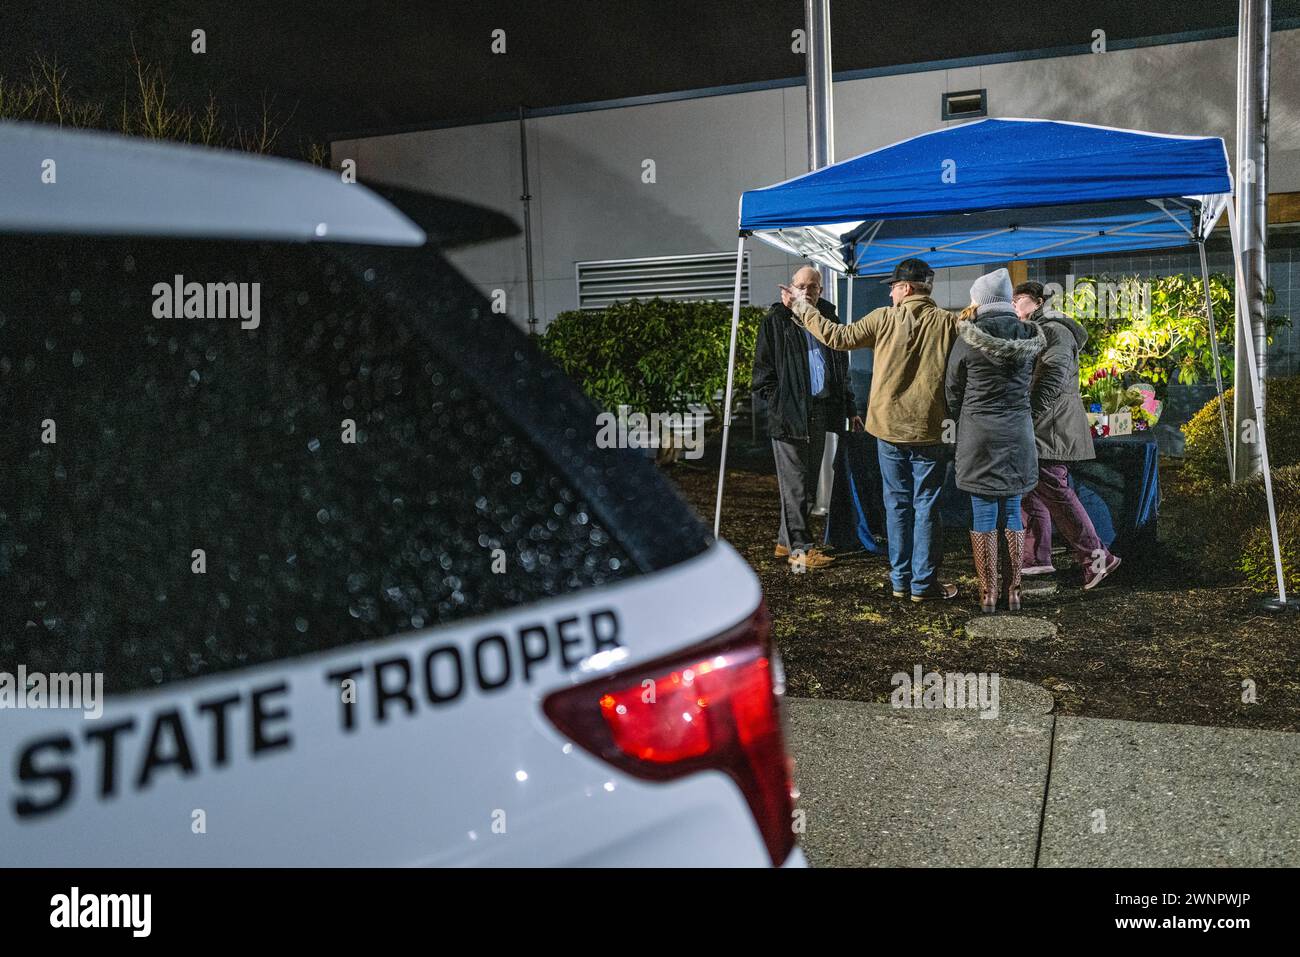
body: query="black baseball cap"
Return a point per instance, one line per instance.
(911, 270)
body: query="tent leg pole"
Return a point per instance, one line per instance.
(731, 373)
(1214, 350)
(1242, 317)
(848, 317)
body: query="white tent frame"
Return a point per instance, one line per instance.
(819, 244)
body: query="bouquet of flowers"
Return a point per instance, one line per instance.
(1147, 408)
(1104, 392)
(1105, 395)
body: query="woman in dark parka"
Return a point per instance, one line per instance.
(1063, 439)
(987, 388)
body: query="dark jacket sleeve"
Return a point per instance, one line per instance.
(850, 408)
(955, 380)
(1056, 367)
(764, 378)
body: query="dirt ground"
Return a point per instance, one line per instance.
(1142, 647)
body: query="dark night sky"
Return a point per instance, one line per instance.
(376, 64)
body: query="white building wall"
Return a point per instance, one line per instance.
(589, 200)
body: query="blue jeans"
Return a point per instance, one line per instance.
(912, 476)
(991, 514)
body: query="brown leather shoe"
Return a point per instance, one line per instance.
(939, 590)
(812, 558)
(781, 551)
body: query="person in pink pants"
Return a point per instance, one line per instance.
(1063, 436)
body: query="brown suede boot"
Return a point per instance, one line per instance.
(1016, 562)
(984, 546)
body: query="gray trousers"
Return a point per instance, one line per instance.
(798, 465)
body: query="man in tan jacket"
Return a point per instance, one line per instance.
(906, 413)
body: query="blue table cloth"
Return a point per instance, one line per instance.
(1120, 490)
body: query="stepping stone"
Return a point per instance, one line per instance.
(1015, 698)
(1034, 591)
(1019, 697)
(1010, 628)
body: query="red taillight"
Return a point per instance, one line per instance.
(711, 707)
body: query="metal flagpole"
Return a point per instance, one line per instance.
(1251, 182)
(1243, 318)
(1214, 349)
(731, 373)
(821, 152)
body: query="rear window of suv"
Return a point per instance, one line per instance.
(186, 494)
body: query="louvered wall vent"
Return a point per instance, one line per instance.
(689, 278)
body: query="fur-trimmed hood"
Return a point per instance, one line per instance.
(1003, 338)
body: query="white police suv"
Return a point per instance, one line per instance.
(339, 548)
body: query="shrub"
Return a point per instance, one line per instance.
(1256, 561)
(655, 355)
(1203, 457)
(1223, 529)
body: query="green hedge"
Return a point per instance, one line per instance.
(1256, 562)
(655, 355)
(1223, 529)
(1203, 457)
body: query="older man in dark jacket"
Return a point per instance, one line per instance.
(806, 387)
(1063, 436)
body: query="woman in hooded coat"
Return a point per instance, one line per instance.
(987, 388)
(1063, 439)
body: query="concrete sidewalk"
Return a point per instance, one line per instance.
(912, 787)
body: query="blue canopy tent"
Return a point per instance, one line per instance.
(996, 190)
